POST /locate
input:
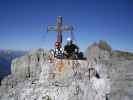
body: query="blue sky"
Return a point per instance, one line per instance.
(23, 22)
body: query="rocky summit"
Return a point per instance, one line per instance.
(37, 76)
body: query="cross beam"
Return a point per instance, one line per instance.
(59, 28)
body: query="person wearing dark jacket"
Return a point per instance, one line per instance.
(71, 50)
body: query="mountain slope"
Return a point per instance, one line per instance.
(6, 56)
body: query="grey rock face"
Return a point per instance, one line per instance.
(118, 70)
(37, 77)
(29, 65)
(94, 52)
(121, 75)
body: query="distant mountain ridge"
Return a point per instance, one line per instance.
(122, 54)
(6, 56)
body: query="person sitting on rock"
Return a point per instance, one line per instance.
(70, 49)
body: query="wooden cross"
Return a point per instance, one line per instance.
(59, 28)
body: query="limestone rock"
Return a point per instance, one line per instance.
(121, 75)
(36, 77)
(29, 65)
(94, 52)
